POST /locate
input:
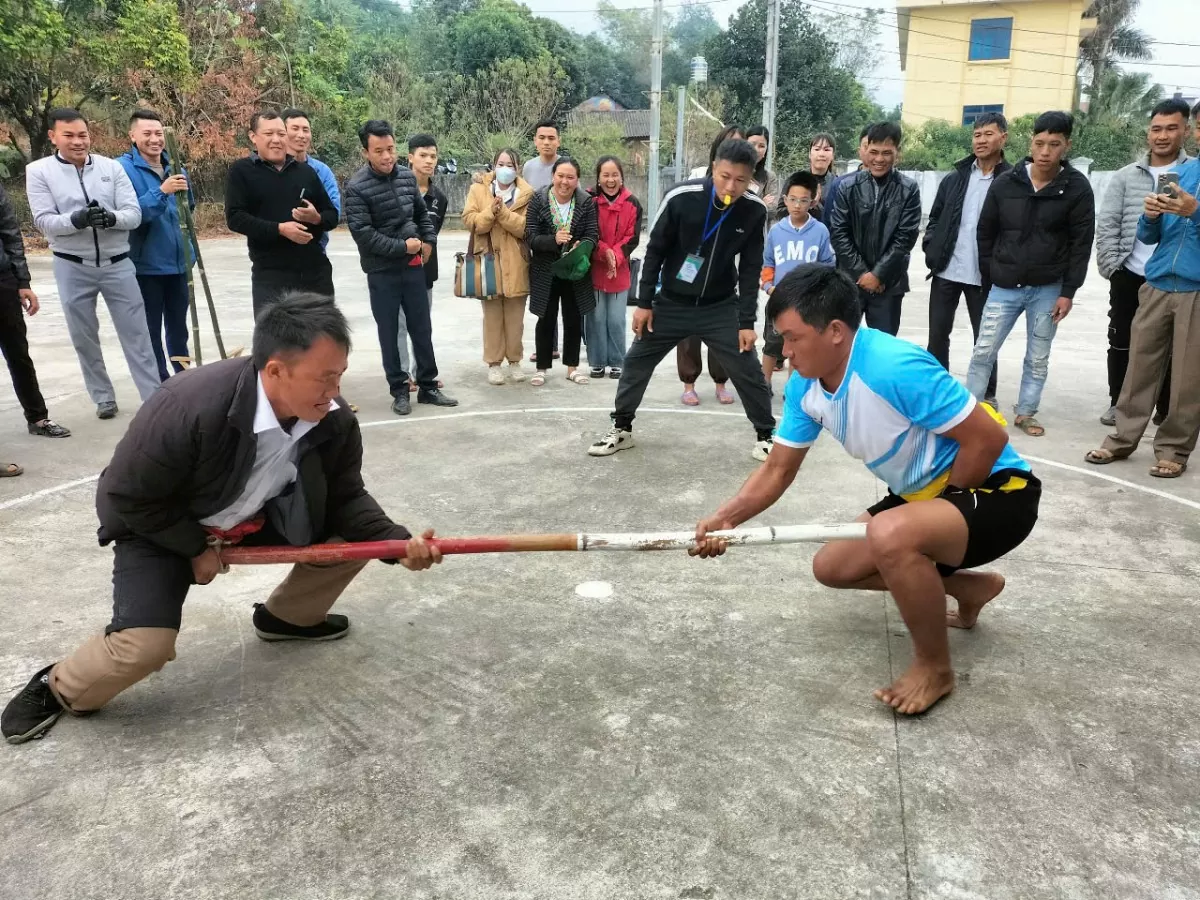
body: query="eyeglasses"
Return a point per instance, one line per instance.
(798, 201)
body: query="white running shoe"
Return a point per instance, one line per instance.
(762, 449)
(495, 376)
(616, 439)
(515, 372)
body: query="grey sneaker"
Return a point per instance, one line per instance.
(107, 409)
(616, 439)
(1110, 417)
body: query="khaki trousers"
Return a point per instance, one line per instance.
(1165, 331)
(109, 663)
(503, 326)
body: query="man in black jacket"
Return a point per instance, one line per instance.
(17, 300)
(1035, 240)
(260, 447)
(281, 207)
(702, 228)
(423, 159)
(950, 245)
(873, 226)
(388, 220)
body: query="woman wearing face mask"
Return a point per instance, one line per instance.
(495, 212)
(560, 216)
(620, 217)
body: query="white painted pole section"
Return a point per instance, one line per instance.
(740, 537)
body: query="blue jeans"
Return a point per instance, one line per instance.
(605, 329)
(166, 300)
(1004, 306)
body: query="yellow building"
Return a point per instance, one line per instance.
(966, 57)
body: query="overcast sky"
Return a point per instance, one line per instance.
(1164, 20)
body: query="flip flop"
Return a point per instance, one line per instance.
(1101, 457)
(1029, 425)
(579, 378)
(690, 398)
(1168, 468)
(10, 470)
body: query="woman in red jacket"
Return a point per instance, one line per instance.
(620, 230)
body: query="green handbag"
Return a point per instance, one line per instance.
(575, 263)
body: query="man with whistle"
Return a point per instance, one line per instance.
(259, 449)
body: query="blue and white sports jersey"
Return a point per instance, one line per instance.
(891, 411)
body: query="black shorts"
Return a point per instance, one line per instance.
(997, 521)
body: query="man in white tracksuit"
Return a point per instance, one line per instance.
(85, 205)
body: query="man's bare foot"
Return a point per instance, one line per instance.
(973, 591)
(917, 689)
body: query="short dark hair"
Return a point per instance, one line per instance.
(1055, 122)
(567, 161)
(608, 159)
(822, 137)
(379, 128)
(1172, 106)
(293, 113)
(882, 132)
(802, 179)
(263, 115)
(819, 294)
(865, 131)
(144, 115)
(418, 141)
(738, 152)
(294, 322)
(993, 118)
(64, 114)
(545, 123)
(725, 134)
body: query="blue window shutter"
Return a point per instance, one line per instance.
(990, 39)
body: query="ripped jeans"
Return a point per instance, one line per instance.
(1004, 306)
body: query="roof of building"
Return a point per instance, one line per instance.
(635, 123)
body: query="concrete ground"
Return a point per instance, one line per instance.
(707, 731)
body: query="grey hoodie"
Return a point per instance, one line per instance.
(56, 189)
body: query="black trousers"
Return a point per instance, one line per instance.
(689, 363)
(14, 344)
(166, 300)
(1123, 289)
(403, 288)
(943, 306)
(882, 310)
(716, 326)
(561, 293)
(266, 285)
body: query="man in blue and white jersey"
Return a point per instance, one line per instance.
(959, 495)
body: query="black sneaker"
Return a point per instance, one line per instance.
(48, 428)
(436, 398)
(30, 714)
(106, 410)
(402, 406)
(272, 628)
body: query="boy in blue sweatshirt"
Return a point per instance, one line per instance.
(798, 239)
(1165, 330)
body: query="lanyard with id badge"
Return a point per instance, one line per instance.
(694, 262)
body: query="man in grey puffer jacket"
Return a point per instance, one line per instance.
(1120, 256)
(86, 206)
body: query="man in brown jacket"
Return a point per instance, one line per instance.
(262, 445)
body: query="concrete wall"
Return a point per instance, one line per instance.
(1039, 75)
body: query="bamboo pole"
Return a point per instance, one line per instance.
(544, 543)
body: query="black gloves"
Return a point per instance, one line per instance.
(93, 216)
(79, 218)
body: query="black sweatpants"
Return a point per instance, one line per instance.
(882, 310)
(1123, 289)
(14, 344)
(546, 334)
(266, 285)
(716, 326)
(943, 306)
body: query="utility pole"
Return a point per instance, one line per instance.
(656, 58)
(771, 82)
(680, 135)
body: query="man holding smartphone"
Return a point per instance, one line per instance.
(279, 204)
(1166, 328)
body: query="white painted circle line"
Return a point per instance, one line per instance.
(1090, 471)
(594, 590)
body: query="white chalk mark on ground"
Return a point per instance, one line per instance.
(594, 590)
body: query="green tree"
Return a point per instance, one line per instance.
(1113, 41)
(1123, 96)
(496, 30)
(499, 106)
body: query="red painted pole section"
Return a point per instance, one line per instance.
(325, 554)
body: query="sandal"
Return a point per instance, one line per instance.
(578, 377)
(1029, 425)
(538, 380)
(723, 396)
(1168, 468)
(690, 398)
(10, 470)
(1101, 457)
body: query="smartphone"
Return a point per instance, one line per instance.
(1168, 183)
(302, 190)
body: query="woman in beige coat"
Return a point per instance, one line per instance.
(495, 211)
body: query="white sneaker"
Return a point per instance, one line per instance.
(762, 449)
(495, 376)
(616, 439)
(515, 372)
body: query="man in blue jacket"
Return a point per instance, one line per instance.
(1165, 330)
(156, 246)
